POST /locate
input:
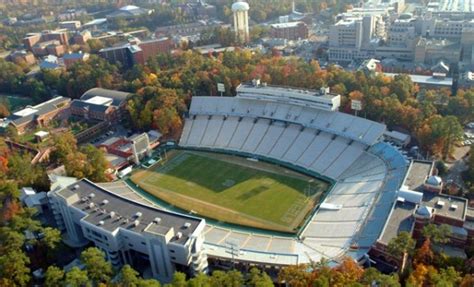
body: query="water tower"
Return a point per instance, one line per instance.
(241, 21)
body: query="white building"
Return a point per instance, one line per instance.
(128, 232)
(241, 21)
(321, 99)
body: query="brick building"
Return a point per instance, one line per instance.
(100, 104)
(418, 205)
(39, 115)
(289, 31)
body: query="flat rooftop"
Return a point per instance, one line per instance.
(417, 174)
(98, 203)
(400, 219)
(298, 93)
(286, 25)
(445, 205)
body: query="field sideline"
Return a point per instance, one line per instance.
(233, 189)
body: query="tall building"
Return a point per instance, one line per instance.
(241, 21)
(154, 241)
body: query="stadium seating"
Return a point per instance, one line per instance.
(367, 173)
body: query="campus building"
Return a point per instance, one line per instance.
(419, 203)
(39, 115)
(100, 104)
(289, 31)
(154, 241)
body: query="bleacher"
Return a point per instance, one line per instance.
(367, 172)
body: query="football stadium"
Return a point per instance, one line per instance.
(280, 176)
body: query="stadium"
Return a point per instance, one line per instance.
(280, 176)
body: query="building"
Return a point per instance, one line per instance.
(100, 104)
(129, 12)
(136, 51)
(241, 21)
(321, 99)
(70, 25)
(151, 48)
(22, 56)
(398, 138)
(128, 55)
(39, 115)
(428, 81)
(71, 58)
(155, 241)
(96, 25)
(418, 205)
(34, 38)
(289, 31)
(81, 38)
(189, 29)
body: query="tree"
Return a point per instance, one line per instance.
(98, 269)
(179, 280)
(424, 254)
(4, 112)
(54, 276)
(438, 234)
(200, 280)
(373, 277)
(52, 237)
(257, 278)
(294, 275)
(401, 244)
(128, 277)
(447, 130)
(347, 272)
(77, 278)
(14, 268)
(97, 163)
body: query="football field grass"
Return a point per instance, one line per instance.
(233, 189)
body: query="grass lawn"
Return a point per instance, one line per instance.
(233, 189)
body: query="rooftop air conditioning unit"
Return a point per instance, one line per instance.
(157, 220)
(187, 225)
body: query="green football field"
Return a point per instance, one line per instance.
(233, 189)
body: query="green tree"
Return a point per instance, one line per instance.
(200, 280)
(257, 278)
(128, 277)
(54, 276)
(401, 244)
(447, 130)
(179, 280)
(14, 268)
(52, 237)
(97, 163)
(98, 269)
(77, 278)
(373, 277)
(438, 234)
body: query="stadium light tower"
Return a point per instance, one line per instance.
(241, 21)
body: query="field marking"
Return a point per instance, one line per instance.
(206, 203)
(148, 178)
